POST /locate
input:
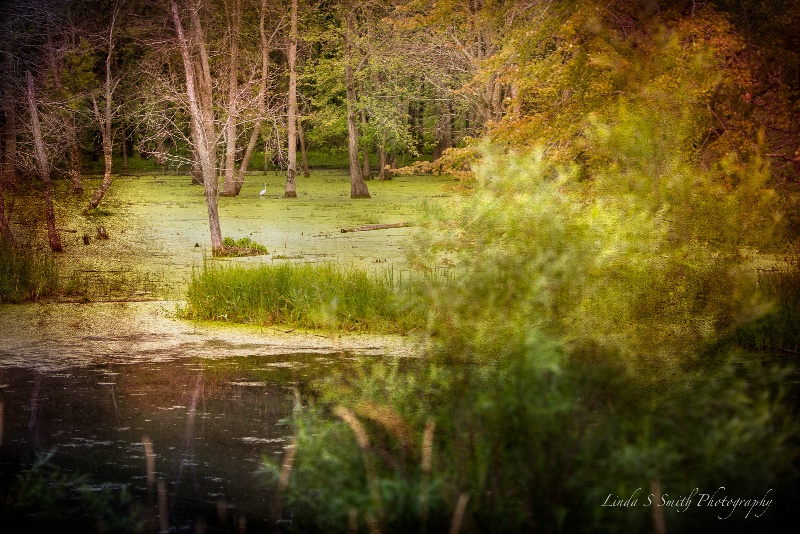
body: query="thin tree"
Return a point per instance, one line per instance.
(104, 119)
(199, 94)
(291, 167)
(44, 167)
(234, 27)
(358, 187)
(266, 46)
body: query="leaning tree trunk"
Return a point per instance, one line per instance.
(44, 168)
(358, 187)
(291, 167)
(104, 119)
(200, 106)
(105, 130)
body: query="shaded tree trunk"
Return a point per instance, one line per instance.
(381, 161)
(198, 89)
(74, 156)
(234, 23)
(291, 167)
(44, 168)
(303, 156)
(358, 187)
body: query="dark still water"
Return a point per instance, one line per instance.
(210, 423)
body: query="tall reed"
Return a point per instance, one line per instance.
(307, 296)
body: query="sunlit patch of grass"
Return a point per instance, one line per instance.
(25, 276)
(307, 296)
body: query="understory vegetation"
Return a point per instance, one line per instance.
(24, 275)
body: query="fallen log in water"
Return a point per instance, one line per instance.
(368, 227)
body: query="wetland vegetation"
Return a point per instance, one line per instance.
(572, 305)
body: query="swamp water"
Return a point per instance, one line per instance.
(88, 382)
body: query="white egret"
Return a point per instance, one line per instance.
(263, 190)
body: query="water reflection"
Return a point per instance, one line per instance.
(208, 423)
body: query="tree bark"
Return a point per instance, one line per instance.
(44, 168)
(358, 188)
(229, 188)
(291, 167)
(365, 170)
(200, 106)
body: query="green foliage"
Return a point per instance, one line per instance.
(24, 275)
(577, 351)
(243, 247)
(309, 296)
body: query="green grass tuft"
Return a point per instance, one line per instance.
(25, 276)
(307, 296)
(243, 247)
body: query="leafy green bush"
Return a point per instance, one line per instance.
(25, 276)
(576, 354)
(310, 296)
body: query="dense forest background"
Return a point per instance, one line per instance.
(209, 85)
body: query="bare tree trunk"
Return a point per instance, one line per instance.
(381, 161)
(200, 107)
(104, 119)
(229, 188)
(262, 94)
(105, 130)
(358, 187)
(44, 168)
(303, 156)
(365, 170)
(444, 130)
(291, 167)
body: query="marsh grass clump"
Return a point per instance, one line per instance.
(25, 275)
(307, 296)
(242, 247)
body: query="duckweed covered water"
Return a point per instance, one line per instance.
(158, 228)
